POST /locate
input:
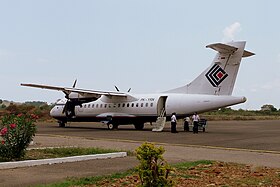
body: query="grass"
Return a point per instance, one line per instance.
(188, 165)
(89, 180)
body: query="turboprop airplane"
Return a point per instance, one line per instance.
(212, 89)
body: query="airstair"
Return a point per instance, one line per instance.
(160, 123)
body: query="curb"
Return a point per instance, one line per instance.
(28, 163)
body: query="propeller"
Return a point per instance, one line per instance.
(119, 89)
(69, 107)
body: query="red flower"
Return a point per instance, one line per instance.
(3, 142)
(4, 131)
(33, 116)
(19, 115)
(12, 126)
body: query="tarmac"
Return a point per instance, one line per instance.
(175, 152)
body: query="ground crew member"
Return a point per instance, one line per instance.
(173, 123)
(195, 119)
(187, 122)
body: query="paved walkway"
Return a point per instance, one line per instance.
(174, 153)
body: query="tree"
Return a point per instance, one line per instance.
(268, 107)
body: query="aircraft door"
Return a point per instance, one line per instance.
(161, 109)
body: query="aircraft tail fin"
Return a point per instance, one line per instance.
(219, 78)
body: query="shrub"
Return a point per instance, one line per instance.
(153, 170)
(17, 131)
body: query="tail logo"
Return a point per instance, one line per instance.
(216, 75)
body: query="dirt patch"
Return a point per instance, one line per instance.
(215, 174)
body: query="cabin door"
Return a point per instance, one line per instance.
(161, 109)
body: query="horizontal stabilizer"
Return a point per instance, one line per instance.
(222, 48)
(227, 49)
(247, 53)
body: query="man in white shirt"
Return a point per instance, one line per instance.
(173, 123)
(195, 119)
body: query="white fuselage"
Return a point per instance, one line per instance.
(146, 107)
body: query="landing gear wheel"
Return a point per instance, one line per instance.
(112, 126)
(139, 126)
(61, 123)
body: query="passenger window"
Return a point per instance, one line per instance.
(105, 105)
(109, 106)
(152, 104)
(85, 106)
(119, 105)
(101, 105)
(123, 105)
(96, 105)
(127, 105)
(132, 105)
(142, 104)
(136, 104)
(92, 106)
(147, 104)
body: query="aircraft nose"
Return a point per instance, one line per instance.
(54, 111)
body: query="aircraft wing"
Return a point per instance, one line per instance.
(82, 92)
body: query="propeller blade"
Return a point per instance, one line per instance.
(65, 108)
(129, 90)
(117, 88)
(74, 85)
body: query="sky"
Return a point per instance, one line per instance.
(148, 46)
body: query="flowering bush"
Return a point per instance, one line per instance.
(17, 131)
(153, 170)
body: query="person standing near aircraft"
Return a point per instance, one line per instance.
(187, 122)
(195, 119)
(173, 123)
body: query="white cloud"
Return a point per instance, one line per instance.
(230, 31)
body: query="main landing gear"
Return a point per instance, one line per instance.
(112, 126)
(61, 123)
(139, 126)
